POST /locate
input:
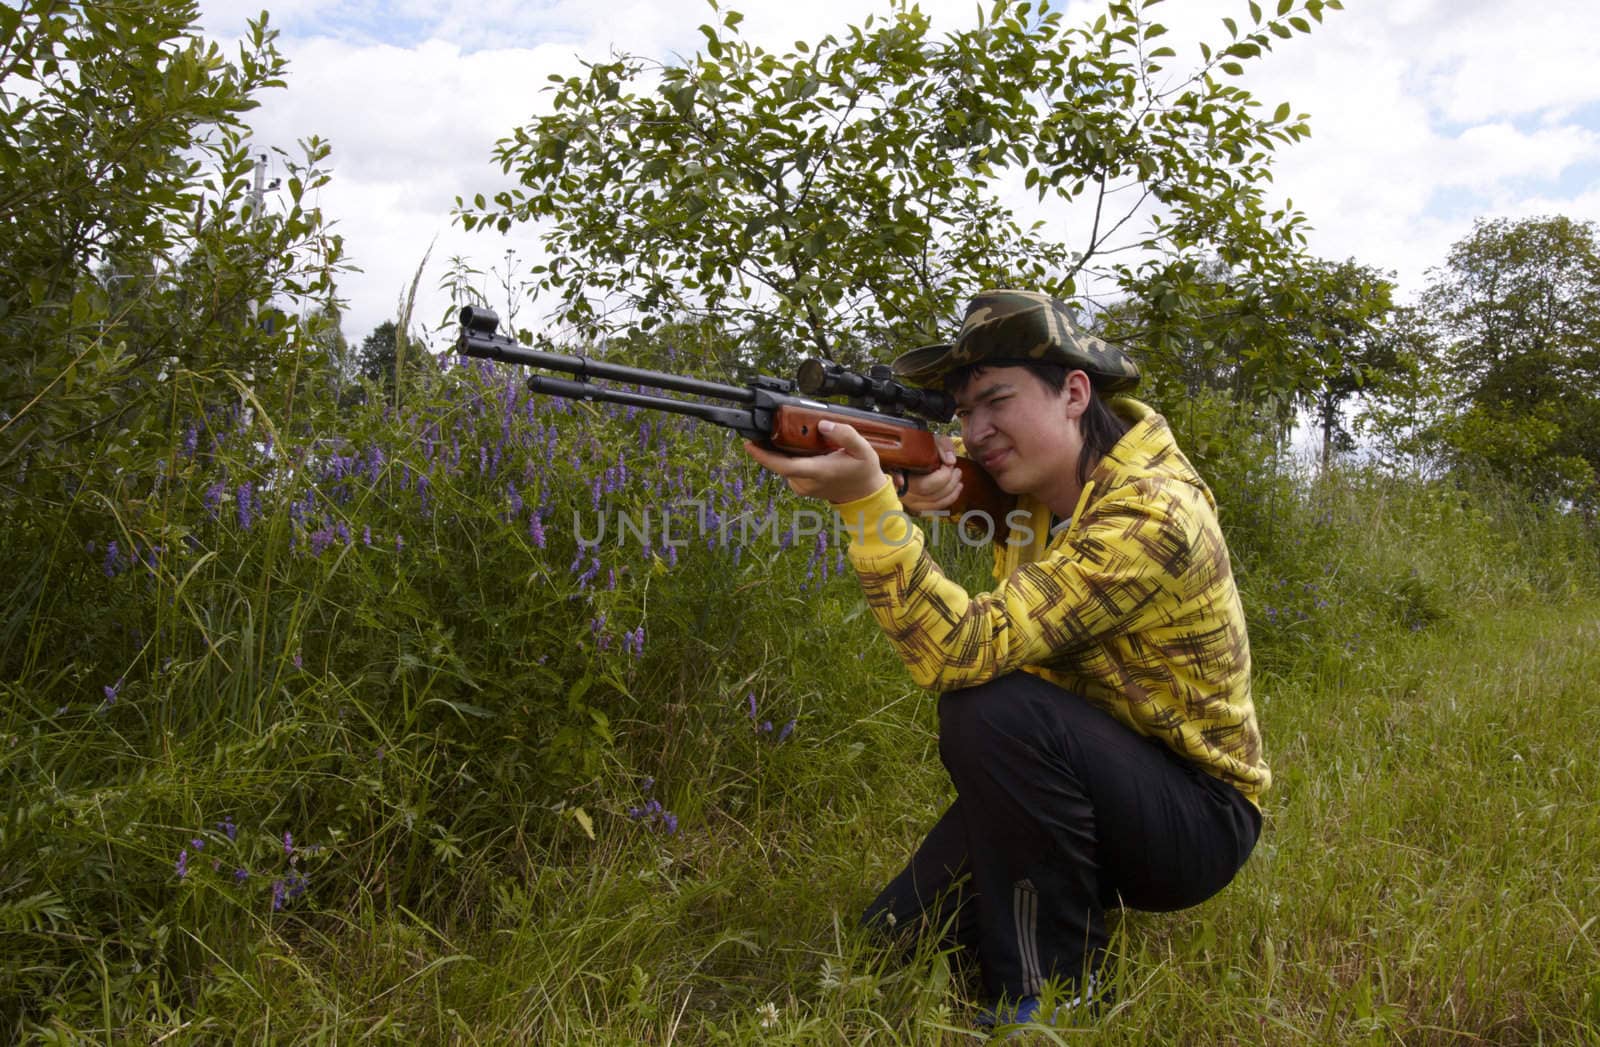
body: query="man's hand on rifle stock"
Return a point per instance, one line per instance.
(930, 492)
(841, 476)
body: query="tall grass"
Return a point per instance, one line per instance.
(321, 751)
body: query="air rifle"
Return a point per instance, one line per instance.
(771, 411)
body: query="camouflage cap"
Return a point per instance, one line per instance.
(1015, 327)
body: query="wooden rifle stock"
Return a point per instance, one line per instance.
(899, 446)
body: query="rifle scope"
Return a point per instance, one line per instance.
(818, 377)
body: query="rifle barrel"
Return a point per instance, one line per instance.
(495, 347)
(731, 417)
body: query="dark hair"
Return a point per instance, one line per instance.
(1101, 426)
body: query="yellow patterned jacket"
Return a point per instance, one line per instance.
(1132, 604)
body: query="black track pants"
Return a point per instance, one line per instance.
(1061, 812)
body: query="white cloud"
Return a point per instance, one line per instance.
(412, 128)
(1426, 113)
(1486, 59)
(1487, 155)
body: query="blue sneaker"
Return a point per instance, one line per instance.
(1024, 1011)
(1027, 1011)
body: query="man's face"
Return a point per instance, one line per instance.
(1025, 435)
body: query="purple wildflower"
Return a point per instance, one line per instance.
(240, 875)
(277, 895)
(245, 506)
(183, 864)
(751, 698)
(288, 844)
(655, 815)
(788, 729)
(113, 559)
(366, 535)
(536, 530)
(227, 828)
(111, 692)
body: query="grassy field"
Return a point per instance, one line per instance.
(346, 742)
(1430, 873)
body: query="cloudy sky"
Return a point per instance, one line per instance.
(1425, 114)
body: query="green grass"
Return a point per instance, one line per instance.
(436, 737)
(1429, 873)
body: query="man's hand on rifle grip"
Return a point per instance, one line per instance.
(930, 492)
(841, 476)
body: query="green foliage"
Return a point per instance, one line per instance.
(843, 195)
(1345, 331)
(1517, 309)
(388, 642)
(445, 761)
(375, 360)
(1312, 335)
(132, 248)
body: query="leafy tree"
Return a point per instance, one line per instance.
(845, 194)
(1404, 401)
(1313, 339)
(1517, 309)
(375, 358)
(136, 254)
(1345, 332)
(1202, 347)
